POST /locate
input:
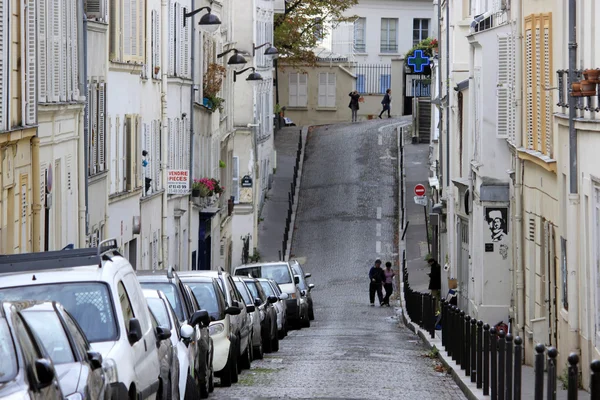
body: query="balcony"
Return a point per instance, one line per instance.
(585, 90)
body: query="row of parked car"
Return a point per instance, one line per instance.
(82, 324)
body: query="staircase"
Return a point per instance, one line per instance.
(421, 120)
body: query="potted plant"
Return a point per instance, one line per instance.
(196, 188)
(217, 188)
(576, 89)
(592, 75)
(222, 164)
(213, 80)
(588, 88)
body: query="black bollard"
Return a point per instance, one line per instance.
(461, 332)
(595, 379)
(518, 356)
(573, 376)
(480, 350)
(539, 371)
(432, 324)
(473, 339)
(508, 366)
(467, 346)
(551, 380)
(494, 363)
(451, 331)
(501, 365)
(444, 322)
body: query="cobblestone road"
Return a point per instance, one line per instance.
(346, 220)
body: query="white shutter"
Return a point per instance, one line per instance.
(179, 60)
(147, 143)
(95, 10)
(503, 86)
(101, 126)
(55, 67)
(181, 141)
(155, 44)
(141, 30)
(187, 136)
(186, 48)
(171, 70)
(302, 90)
(126, 29)
(31, 62)
(235, 179)
(93, 127)
(134, 28)
(322, 89)
(171, 145)
(3, 66)
(293, 88)
(65, 70)
(331, 83)
(74, 21)
(42, 51)
(157, 154)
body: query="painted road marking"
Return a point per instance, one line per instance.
(378, 229)
(378, 212)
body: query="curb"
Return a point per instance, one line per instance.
(288, 250)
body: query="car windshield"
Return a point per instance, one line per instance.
(280, 273)
(244, 292)
(159, 309)
(170, 291)
(88, 302)
(207, 297)
(48, 328)
(8, 357)
(267, 288)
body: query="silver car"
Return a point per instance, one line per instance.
(272, 289)
(257, 316)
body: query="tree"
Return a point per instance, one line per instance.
(298, 30)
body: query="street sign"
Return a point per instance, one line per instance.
(420, 190)
(178, 181)
(421, 200)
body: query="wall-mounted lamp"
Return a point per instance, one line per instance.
(270, 51)
(254, 76)
(209, 22)
(235, 59)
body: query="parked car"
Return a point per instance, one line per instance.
(27, 370)
(182, 359)
(256, 314)
(269, 323)
(98, 287)
(225, 325)
(79, 368)
(279, 305)
(280, 272)
(188, 312)
(305, 290)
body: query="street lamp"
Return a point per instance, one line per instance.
(235, 59)
(254, 76)
(270, 51)
(208, 22)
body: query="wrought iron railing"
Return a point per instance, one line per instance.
(373, 78)
(585, 101)
(291, 200)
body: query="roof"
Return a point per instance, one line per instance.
(323, 54)
(151, 293)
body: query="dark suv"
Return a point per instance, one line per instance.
(185, 306)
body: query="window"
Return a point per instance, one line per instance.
(563, 269)
(170, 291)
(95, 10)
(97, 127)
(389, 35)
(235, 179)
(359, 35)
(159, 310)
(179, 42)
(360, 83)
(179, 143)
(127, 33)
(298, 89)
(49, 329)
(125, 303)
(326, 89)
(385, 83)
(57, 51)
(151, 156)
(155, 37)
(505, 87)
(420, 30)
(318, 29)
(538, 77)
(132, 152)
(8, 357)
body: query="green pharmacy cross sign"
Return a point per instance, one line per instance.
(418, 60)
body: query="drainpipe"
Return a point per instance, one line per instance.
(192, 96)
(37, 205)
(447, 94)
(470, 142)
(520, 272)
(439, 82)
(83, 144)
(164, 46)
(573, 207)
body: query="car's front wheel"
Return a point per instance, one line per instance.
(311, 312)
(191, 389)
(205, 382)
(227, 374)
(246, 360)
(258, 350)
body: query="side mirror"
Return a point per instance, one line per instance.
(303, 293)
(200, 316)
(283, 296)
(44, 372)
(296, 279)
(272, 299)
(186, 332)
(257, 302)
(95, 359)
(235, 304)
(163, 333)
(233, 310)
(311, 286)
(307, 275)
(250, 308)
(135, 331)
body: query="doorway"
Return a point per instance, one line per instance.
(462, 233)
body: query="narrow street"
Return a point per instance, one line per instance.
(346, 219)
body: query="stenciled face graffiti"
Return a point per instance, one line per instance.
(497, 222)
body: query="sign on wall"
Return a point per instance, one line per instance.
(496, 239)
(178, 181)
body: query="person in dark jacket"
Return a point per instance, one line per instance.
(354, 97)
(435, 279)
(386, 102)
(377, 277)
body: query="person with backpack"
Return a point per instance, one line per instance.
(354, 99)
(377, 277)
(386, 102)
(388, 283)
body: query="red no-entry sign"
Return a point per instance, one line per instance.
(420, 190)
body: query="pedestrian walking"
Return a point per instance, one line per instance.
(386, 102)
(377, 278)
(388, 283)
(435, 280)
(354, 97)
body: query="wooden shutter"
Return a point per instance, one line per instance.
(171, 140)
(65, 42)
(3, 66)
(293, 88)
(92, 100)
(157, 154)
(101, 126)
(54, 84)
(322, 89)
(331, 84)
(302, 90)
(187, 137)
(31, 65)
(503, 86)
(116, 30)
(546, 66)
(126, 29)
(181, 141)
(155, 44)
(147, 146)
(137, 151)
(186, 48)
(74, 56)
(128, 153)
(171, 70)
(141, 31)
(179, 60)
(42, 51)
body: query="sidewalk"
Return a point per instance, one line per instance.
(416, 170)
(271, 224)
